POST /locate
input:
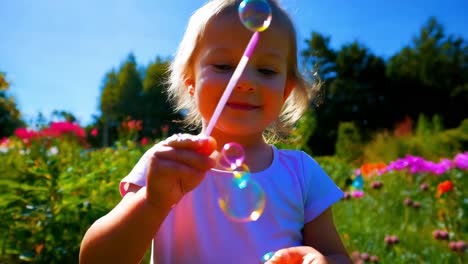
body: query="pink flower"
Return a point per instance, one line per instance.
(424, 186)
(357, 194)
(94, 132)
(144, 141)
(25, 133)
(461, 160)
(135, 125)
(4, 141)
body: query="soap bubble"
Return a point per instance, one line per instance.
(241, 198)
(233, 154)
(267, 257)
(255, 14)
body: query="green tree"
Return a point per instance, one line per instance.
(157, 111)
(121, 98)
(354, 89)
(129, 90)
(10, 116)
(430, 75)
(64, 115)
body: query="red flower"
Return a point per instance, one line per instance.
(135, 125)
(372, 169)
(94, 132)
(144, 141)
(444, 187)
(25, 133)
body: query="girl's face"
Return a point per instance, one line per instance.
(257, 99)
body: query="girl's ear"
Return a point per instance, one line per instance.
(290, 84)
(190, 86)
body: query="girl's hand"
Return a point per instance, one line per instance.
(297, 255)
(177, 165)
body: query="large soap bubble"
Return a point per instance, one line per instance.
(255, 14)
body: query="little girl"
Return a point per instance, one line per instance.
(170, 197)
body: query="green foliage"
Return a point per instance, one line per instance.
(136, 94)
(429, 76)
(365, 222)
(429, 142)
(338, 169)
(10, 117)
(156, 109)
(54, 189)
(354, 89)
(349, 144)
(430, 68)
(301, 133)
(50, 199)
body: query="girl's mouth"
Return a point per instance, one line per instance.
(241, 106)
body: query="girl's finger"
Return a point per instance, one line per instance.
(187, 157)
(202, 144)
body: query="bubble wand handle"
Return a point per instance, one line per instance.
(232, 82)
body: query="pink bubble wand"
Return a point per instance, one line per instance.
(233, 81)
(256, 16)
(243, 200)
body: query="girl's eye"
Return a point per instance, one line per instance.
(222, 67)
(267, 72)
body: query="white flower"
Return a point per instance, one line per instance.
(24, 152)
(53, 151)
(3, 149)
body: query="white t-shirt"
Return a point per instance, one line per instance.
(297, 190)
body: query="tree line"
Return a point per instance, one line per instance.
(427, 76)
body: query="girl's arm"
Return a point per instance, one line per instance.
(125, 233)
(322, 244)
(321, 234)
(177, 165)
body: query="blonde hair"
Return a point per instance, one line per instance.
(181, 68)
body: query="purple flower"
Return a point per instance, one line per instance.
(398, 164)
(408, 202)
(391, 240)
(376, 185)
(346, 196)
(459, 246)
(374, 259)
(440, 234)
(357, 194)
(461, 160)
(453, 245)
(355, 255)
(424, 186)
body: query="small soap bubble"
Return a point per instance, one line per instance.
(358, 182)
(233, 154)
(255, 14)
(267, 257)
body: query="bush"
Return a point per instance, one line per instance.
(349, 144)
(431, 144)
(51, 198)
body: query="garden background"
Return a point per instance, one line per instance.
(391, 132)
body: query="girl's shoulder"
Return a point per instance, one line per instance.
(296, 157)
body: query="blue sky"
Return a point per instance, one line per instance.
(56, 52)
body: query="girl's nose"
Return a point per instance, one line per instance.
(247, 82)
